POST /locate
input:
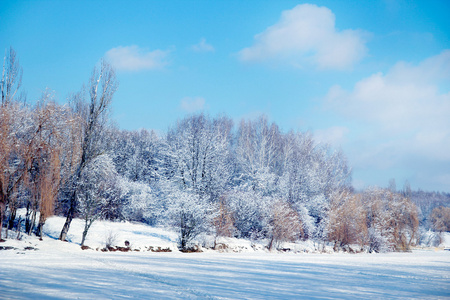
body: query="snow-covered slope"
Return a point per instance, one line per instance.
(140, 236)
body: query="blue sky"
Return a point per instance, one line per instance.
(370, 77)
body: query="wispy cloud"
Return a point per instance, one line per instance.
(202, 46)
(192, 104)
(134, 58)
(306, 35)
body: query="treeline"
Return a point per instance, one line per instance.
(205, 177)
(429, 203)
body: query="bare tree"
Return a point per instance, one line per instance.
(223, 222)
(9, 85)
(440, 219)
(392, 220)
(11, 76)
(45, 172)
(392, 185)
(347, 221)
(102, 87)
(285, 224)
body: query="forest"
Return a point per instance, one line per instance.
(204, 176)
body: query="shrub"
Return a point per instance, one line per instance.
(285, 224)
(347, 223)
(440, 219)
(393, 219)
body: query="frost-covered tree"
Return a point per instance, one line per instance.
(198, 161)
(94, 121)
(11, 77)
(440, 219)
(141, 160)
(97, 184)
(11, 115)
(199, 155)
(257, 155)
(426, 203)
(311, 173)
(138, 155)
(15, 150)
(189, 214)
(392, 220)
(140, 202)
(392, 185)
(30, 149)
(251, 212)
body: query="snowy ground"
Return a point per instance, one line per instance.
(61, 270)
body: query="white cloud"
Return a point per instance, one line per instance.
(403, 116)
(133, 58)
(334, 136)
(192, 104)
(202, 46)
(306, 34)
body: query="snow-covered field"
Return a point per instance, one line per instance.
(62, 270)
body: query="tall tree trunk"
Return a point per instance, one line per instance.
(2, 213)
(271, 243)
(40, 226)
(72, 203)
(69, 218)
(32, 222)
(2, 208)
(98, 108)
(12, 217)
(27, 218)
(87, 224)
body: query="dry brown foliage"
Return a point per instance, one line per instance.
(12, 149)
(347, 223)
(285, 224)
(440, 219)
(223, 223)
(393, 217)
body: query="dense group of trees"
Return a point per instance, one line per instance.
(205, 176)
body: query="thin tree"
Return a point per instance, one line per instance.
(102, 87)
(11, 76)
(10, 83)
(52, 119)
